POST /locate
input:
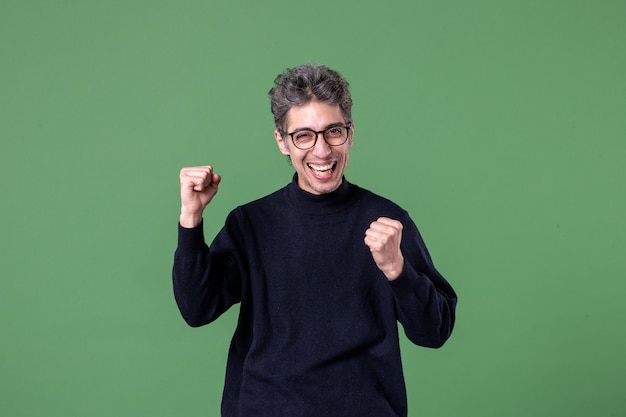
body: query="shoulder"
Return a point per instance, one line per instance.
(371, 201)
(268, 201)
(261, 207)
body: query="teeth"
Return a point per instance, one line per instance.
(321, 168)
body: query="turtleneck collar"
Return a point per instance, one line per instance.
(322, 204)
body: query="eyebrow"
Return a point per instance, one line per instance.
(313, 130)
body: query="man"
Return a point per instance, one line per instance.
(323, 271)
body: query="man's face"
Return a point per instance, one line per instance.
(320, 169)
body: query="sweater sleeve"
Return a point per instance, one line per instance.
(206, 280)
(425, 301)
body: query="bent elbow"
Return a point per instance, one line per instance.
(193, 321)
(191, 314)
(438, 342)
(433, 334)
(434, 339)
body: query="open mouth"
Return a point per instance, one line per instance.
(322, 171)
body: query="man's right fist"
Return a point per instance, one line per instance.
(198, 186)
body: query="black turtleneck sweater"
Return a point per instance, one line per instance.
(317, 332)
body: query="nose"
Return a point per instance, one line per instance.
(321, 148)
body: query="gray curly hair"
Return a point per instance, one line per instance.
(302, 84)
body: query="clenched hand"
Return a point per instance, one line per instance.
(383, 238)
(198, 186)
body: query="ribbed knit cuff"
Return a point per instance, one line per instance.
(403, 282)
(190, 238)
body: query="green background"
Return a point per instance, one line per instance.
(499, 125)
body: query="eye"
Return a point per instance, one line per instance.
(304, 135)
(334, 131)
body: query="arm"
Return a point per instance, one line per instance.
(425, 301)
(204, 281)
(198, 186)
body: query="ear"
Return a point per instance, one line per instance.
(282, 143)
(351, 138)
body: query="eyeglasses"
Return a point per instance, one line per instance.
(306, 139)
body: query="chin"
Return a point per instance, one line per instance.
(326, 187)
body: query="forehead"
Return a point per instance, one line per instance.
(315, 115)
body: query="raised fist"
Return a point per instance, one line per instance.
(198, 186)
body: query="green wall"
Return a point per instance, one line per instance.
(499, 125)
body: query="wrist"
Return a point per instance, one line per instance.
(395, 271)
(189, 221)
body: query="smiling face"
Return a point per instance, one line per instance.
(320, 169)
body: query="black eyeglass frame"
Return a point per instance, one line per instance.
(323, 132)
